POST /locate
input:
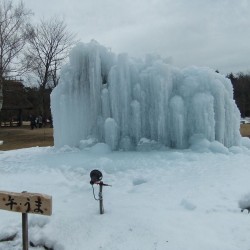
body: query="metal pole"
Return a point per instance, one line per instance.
(25, 231)
(101, 199)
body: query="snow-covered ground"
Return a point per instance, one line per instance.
(176, 200)
(245, 120)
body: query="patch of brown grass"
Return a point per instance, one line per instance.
(245, 129)
(24, 137)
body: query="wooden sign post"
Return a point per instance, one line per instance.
(26, 203)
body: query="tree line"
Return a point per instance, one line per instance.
(32, 50)
(241, 85)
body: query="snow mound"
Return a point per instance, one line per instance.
(87, 143)
(245, 142)
(147, 145)
(100, 148)
(188, 205)
(119, 100)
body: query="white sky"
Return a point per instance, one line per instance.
(214, 33)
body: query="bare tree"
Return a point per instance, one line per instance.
(49, 44)
(13, 20)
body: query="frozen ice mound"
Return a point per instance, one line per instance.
(118, 100)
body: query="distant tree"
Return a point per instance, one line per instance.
(241, 85)
(33, 96)
(13, 35)
(48, 46)
(231, 76)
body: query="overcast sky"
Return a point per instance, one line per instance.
(213, 33)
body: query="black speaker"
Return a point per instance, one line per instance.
(95, 176)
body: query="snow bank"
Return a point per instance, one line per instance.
(245, 142)
(119, 100)
(158, 200)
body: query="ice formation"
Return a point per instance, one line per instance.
(123, 101)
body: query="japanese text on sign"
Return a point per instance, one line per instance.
(26, 202)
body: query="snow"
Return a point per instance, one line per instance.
(105, 108)
(164, 199)
(245, 120)
(119, 100)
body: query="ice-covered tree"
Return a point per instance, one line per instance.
(141, 103)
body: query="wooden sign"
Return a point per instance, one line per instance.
(26, 202)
